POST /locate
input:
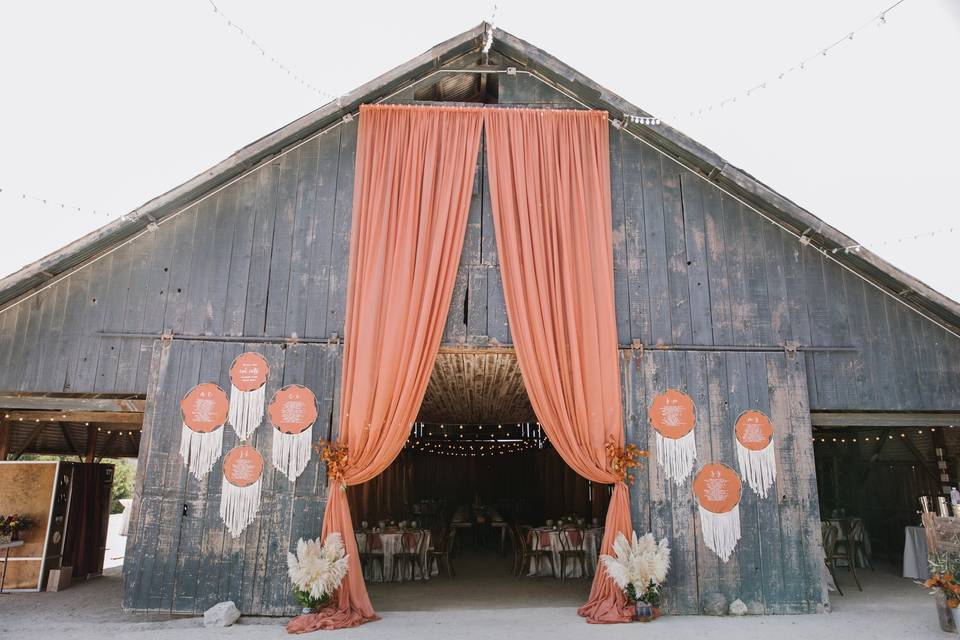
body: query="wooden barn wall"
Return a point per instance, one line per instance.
(180, 557)
(267, 257)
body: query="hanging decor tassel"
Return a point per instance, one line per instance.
(673, 416)
(292, 412)
(240, 497)
(717, 489)
(756, 456)
(204, 411)
(248, 384)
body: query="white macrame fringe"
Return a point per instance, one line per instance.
(200, 451)
(246, 410)
(676, 457)
(721, 531)
(291, 452)
(239, 505)
(758, 467)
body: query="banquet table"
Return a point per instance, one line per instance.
(391, 544)
(551, 567)
(915, 553)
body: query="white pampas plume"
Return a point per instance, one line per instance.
(639, 562)
(318, 569)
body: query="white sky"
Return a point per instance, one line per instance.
(108, 104)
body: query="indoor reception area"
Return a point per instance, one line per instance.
(478, 506)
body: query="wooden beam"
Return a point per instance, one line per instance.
(91, 445)
(132, 420)
(46, 403)
(883, 419)
(37, 430)
(69, 440)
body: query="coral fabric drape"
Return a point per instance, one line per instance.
(550, 189)
(414, 179)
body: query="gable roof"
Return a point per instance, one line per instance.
(813, 231)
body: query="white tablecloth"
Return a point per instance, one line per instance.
(543, 567)
(915, 553)
(391, 545)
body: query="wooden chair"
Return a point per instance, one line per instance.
(534, 552)
(858, 536)
(372, 552)
(410, 554)
(571, 546)
(845, 550)
(441, 554)
(518, 550)
(829, 534)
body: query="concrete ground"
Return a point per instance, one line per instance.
(483, 601)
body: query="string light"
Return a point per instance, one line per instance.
(263, 52)
(855, 248)
(878, 20)
(56, 204)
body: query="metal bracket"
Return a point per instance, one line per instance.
(511, 71)
(166, 336)
(348, 117)
(333, 339)
(636, 346)
(790, 347)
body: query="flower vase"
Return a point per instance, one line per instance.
(6, 538)
(944, 613)
(645, 612)
(955, 614)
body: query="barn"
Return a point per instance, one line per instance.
(725, 293)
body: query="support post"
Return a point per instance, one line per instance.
(5, 431)
(91, 444)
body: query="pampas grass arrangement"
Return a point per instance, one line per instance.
(639, 567)
(317, 570)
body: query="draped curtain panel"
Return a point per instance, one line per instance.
(550, 190)
(414, 178)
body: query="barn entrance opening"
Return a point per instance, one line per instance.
(478, 502)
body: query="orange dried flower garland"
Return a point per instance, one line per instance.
(945, 582)
(622, 459)
(335, 456)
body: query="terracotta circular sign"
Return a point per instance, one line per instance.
(243, 466)
(205, 408)
(717, 488)
(293, 409)
(249, 371)
(672, 414)
(754, 430)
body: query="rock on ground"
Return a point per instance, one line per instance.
(222, 614)
(738, 608)
(715, 604)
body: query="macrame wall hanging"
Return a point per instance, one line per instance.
(240, 498)
(248, 383)
(204, 411)
(755, 452)
(717, 488)
(672, 416)
(292, 411)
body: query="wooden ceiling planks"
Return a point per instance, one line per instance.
(476, 388)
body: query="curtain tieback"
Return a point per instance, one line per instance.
(335, 456)
(622, 459)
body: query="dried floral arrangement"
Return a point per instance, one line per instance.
(317, 570)
(945, 577)
(622, 459)
(335, 456)
(639, 567)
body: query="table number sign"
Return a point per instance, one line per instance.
(248, 384)
(717, 489)
(673, 416)
(755, 452)
(204, 410)
(240, 495)
(292, 411)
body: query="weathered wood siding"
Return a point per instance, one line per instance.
(776, 567)
(180, 557)
(267, 256)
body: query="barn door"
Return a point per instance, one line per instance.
(777, 564)
(180, 558)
